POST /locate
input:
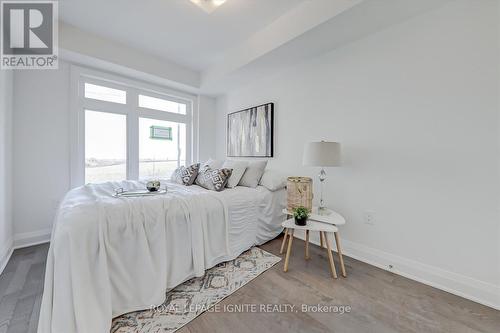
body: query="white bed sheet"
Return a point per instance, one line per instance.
(255, 216)
(111, 256)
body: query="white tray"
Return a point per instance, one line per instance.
(137, 193)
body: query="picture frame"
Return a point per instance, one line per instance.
(250, 132)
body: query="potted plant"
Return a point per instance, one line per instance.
(301, 214)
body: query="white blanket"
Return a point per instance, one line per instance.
(110, 256)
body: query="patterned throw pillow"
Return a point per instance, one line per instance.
(213, 179)
(185, 175)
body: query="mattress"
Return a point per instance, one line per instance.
(110, 256)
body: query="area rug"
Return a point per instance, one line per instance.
(190, 299)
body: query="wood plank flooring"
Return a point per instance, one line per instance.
(380, 301)
(21, 287)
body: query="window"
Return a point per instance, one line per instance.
(127, 130)
(105, 94)
(161, 104)
(105, 146)
(160, 154)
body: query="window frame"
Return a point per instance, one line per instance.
(79, 103)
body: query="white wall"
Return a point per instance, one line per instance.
(75, 41)
(415, 107)
(207, 127)
(42, 150)
(6, 230)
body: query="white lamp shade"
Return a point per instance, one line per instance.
(322, 154)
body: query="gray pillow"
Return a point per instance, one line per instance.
(212, 164)
(213, 179)
(273, 180)
(238, 168)
(253, 174)
(185, 175)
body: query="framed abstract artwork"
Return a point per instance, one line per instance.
(250, 132)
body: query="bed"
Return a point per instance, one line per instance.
(109, 256)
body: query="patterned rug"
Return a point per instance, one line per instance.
(190, 299)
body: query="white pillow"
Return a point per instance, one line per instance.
(273, 180)
(253, 174)
(238, 167)
(213, 164)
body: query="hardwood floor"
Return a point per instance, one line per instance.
(21, 287)
(380, 301)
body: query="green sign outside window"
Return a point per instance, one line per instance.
(160, 133)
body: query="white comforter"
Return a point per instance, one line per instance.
(110, 256)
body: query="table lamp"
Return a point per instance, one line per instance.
(322, 154)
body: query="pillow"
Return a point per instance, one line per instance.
(253, 174)
(273, 180)
(185, 176)
(213, 164)
(213, 179)
(238, 167)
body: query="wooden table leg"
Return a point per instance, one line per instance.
(288, 250)
(284, 241)
(321, 239)
(307, 244)
(330, 256)
(339, 251)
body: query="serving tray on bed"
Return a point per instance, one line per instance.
(121, 193)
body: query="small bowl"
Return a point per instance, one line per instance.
(153, 185)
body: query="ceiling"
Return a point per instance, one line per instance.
(176, 30)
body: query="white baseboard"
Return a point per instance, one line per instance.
(32, 238)
(22, 240)
(475, 290)
(5, 254)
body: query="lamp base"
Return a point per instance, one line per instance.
(322, 210)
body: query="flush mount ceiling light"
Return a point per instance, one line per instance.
(208, 5)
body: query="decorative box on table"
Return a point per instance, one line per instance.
(299, 193)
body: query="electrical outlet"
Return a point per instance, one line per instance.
(370, 218)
